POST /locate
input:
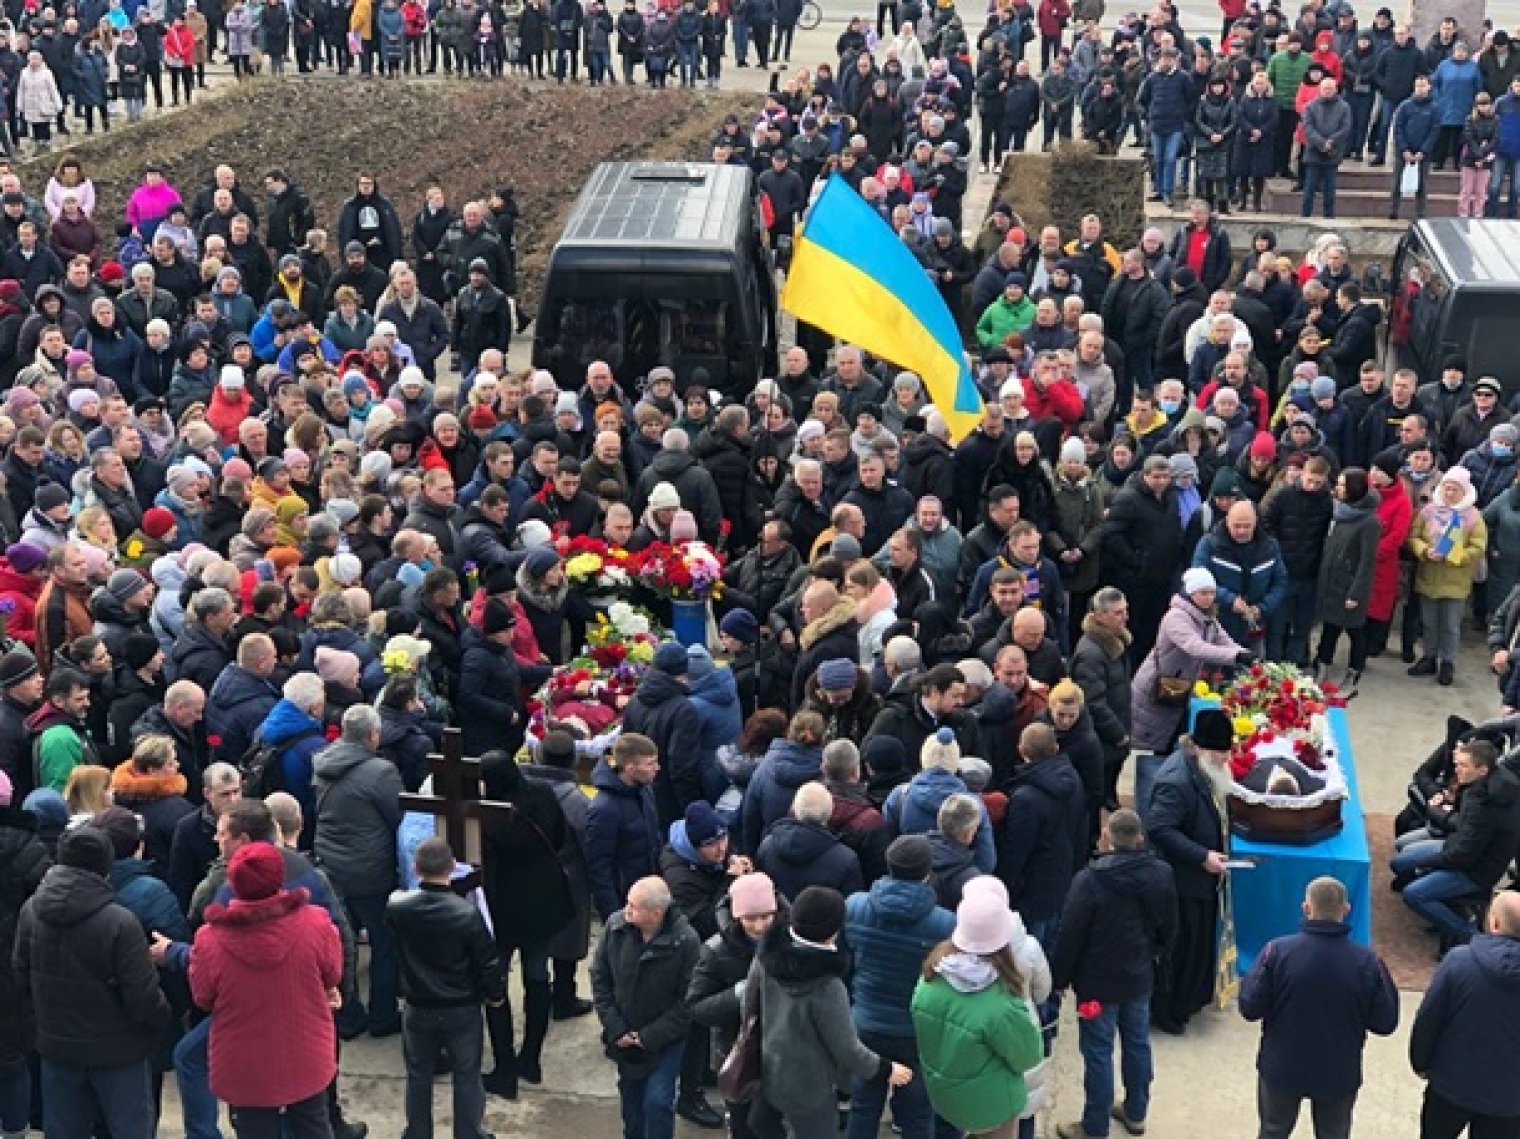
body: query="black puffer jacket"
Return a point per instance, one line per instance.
(1299, 521)
(83, 971)
(929, 468)
(699, 493)
(1142, 539)
(23, 862)
(661, 710)
(1043, 839)
(723, 965)
(199, 655)
(799, 854)
(488, 706)
(727, 459)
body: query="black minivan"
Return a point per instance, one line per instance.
(1455, 290)
(662, 263)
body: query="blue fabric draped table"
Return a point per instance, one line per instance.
(1269, 896)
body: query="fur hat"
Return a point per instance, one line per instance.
(1212, 730)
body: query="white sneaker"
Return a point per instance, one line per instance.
(982, 168)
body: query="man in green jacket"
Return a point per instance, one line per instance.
(61, 741)
(1011, 312)
(1286, 71)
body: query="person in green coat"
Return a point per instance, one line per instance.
(1011, 312)
(978, 1036)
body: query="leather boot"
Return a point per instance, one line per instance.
(539, 1002)
(567, 1006)
(503, 1080)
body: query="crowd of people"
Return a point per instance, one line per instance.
(271, 524)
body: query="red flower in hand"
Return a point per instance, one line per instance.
(1090, 1010)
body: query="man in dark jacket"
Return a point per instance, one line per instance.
(1043, 837)
(84, 975)
(420, 323)
(674, 464)
(892, 929)
(830, 632)
(762, 574)
(1133, 308)
(914, 712)
(1318, 994)
(1184, 826)
(1298, 516)
(1248, 570)
(21, 685)
(639, 979)
(724, 452)
(242, 697)
(370, 219)
(799, 850)
(1393, 75)
(482, 317)
(1203, 246)
(1120, 918)
(1416, 127)
(1143, 547)
(622, 827)
(885, 505)
(1100, 667)
(1465, 1034)
(201, 653)
(358, 812)
(788, 195)
(469, 239)
(449, 965)
(487, 702)
(661, 711)
(1472, 859)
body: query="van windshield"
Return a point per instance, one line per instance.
(633, 336)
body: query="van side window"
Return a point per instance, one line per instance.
(587, 331)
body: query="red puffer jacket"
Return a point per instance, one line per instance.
(263, 970)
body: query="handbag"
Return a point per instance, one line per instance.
(1173, 691)
(739, 1077)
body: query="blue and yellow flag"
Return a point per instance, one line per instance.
(852, 277)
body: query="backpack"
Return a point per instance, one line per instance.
(260, 766)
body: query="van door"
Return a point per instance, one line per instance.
(1417, 333)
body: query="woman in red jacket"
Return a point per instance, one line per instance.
(1396, 513)
(267, 966)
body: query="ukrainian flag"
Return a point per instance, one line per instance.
(852, 277)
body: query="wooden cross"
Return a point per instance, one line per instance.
(456, 799)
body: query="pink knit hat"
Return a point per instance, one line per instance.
(337, 666)
(983, 925)
(752, 895)
(683, 527)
